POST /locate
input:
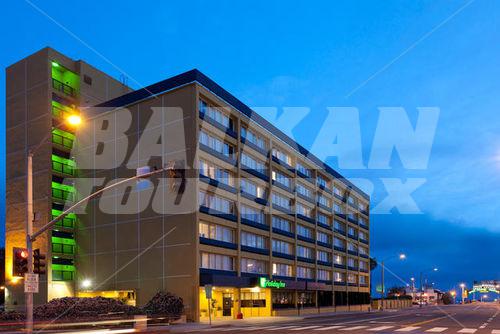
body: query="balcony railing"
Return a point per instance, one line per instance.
(63, 138)
(63, 192)
(69, 221)
(64, 88)
(63, 165)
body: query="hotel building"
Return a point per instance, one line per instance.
(247, 210)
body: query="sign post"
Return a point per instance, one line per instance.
(208, 294)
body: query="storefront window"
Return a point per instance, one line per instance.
(283, 299)
(253, 299)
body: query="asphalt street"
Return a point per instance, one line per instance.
(470, 318)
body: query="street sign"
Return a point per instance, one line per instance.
(208, 291)
(31, 283)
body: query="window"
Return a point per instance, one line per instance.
(304, 170)
(338, 277)
(281, 201)
(215, 172)
(282, 156)
(253, 266)
(282, 224)
(363, 280)
(304, 231)
(253, 188)
(216, 144)
(217, 261)
(214, 202)
(281, 179)
(339, 226)
(363, 251)
(351, 200)
(305, 272)
(253, 163)
(63, 165)
(283, 247)
(363, 265)
(322, 182)
(324, 275)
(252, 214)
(352, 278)
(305, 252)
(363, 222)
(304, 210)
(339, 243)
(352, 263)
(352, 216)
(216, 232)
(253, 240)
(351, 231)
(283, 299)
(63, 138)
(324, 201)
(337, 209)
(281, 269)
(339, 260)
(323, 219)
(337, 191)
(252, 137)
(352, 247)
(323, 256)
(216, 115)
(363, 236)
(323, 237)
(304, 191)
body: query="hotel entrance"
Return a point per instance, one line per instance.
(228, 302)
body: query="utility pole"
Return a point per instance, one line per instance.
(29, 243)
(383, 286)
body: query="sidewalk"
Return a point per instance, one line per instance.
(255, 321)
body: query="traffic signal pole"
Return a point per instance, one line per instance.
(29, 243)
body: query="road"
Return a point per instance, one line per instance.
(470, 318)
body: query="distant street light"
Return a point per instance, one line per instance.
(462, 285)
(401, 256)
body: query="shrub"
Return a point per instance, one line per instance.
(166, 304)
(78, 307)
(11, 316)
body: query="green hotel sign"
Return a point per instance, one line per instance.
(265, 283)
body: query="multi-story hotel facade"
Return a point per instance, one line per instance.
(245, 210)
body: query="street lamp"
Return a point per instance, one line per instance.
(401, 256)
(462, 286)
(434, 269)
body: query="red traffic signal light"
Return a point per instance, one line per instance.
(19, 262)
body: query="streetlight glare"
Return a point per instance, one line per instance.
(74, 120)
(435, 269)
(402, 256)
(86, 283)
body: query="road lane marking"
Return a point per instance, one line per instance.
(327, 328)
(407, 329)
(381, 328)
(254, 328)
(437, 329)
(355, 328)
(303, 328)
(495, 331)
(280, 328)
(467, 330)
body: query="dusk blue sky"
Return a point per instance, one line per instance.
(442, 54)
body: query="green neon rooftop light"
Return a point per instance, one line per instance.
(55, 64)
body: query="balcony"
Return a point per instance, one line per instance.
(63, 166)
(69, 221)
(64, 80)
(62, 111)
(63, 138)
(63, 192)
(63, 246)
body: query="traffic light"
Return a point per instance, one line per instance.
(38, 262)
(20, 262)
